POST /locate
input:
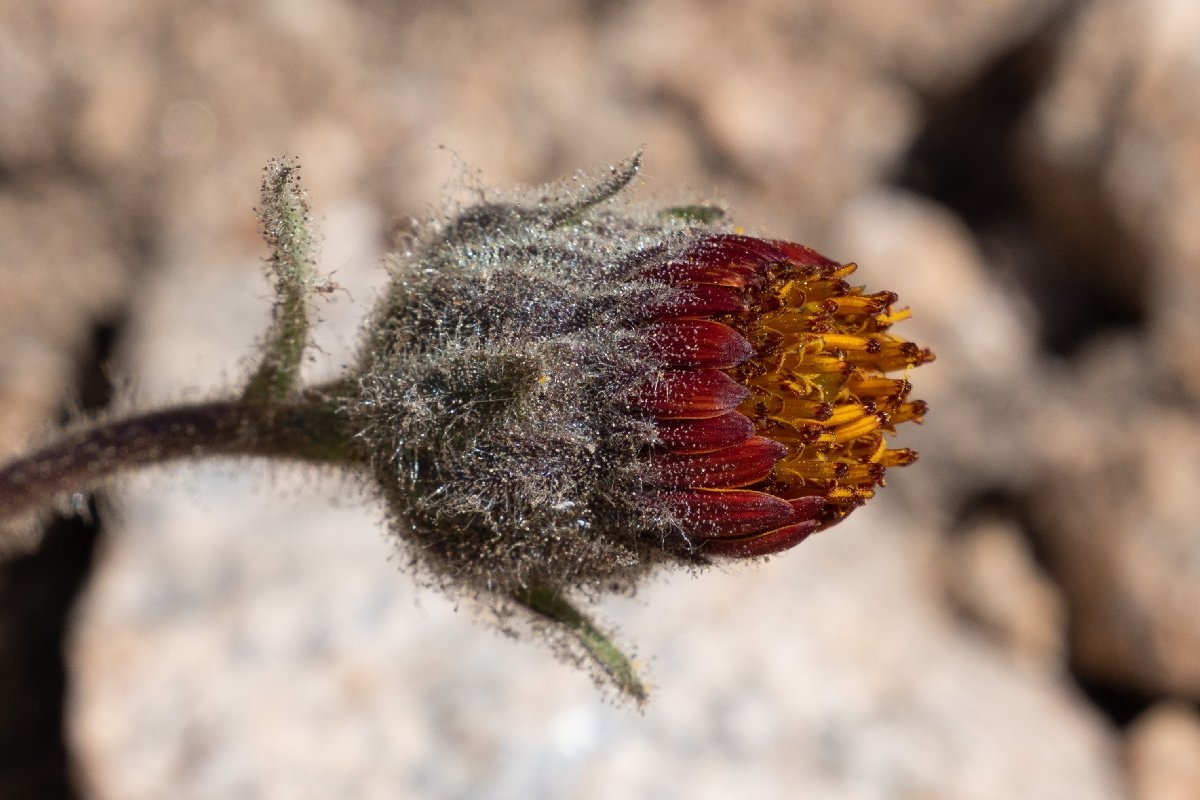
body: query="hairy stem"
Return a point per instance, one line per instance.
(77, 462)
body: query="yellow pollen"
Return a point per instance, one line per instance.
(908, 411)
(860, 427)
(846, 412)
(844, 272)
(816, 364)
(819, 384)
(837, 341)
(859, 304)
(893, 317)
(863, 387)
(796, 408)
(849, 495)
(802, 469)
(898, 458)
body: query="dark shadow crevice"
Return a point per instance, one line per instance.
(38, 591)
(1065, 248)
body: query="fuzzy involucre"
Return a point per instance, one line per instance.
(493, 395)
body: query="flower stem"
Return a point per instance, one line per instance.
(305, 430)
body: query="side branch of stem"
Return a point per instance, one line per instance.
(616, 665)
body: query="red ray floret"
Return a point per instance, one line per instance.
(689, 394)
(731, 512)
(704, 434)
(698, 343)
(741, 464)
(766, 544)
(701, 300)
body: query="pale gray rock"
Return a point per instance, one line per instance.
(1162, 749)
(240, 644)
(1111, 163)
(1110, 151)
(1117, 523)
(994, 580)
(59, 276)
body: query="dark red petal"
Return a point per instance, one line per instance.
(690, 394)
(697, 343)
(732, 248)
(727, 468)
(808, 507)
(765, 544)
(734, 260)
(682, 273)
(704, 434)
(804, 256)
(701, 300)
(727, 513)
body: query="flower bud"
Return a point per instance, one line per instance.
(559, 392)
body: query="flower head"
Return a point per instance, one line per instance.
(557, 393)
(774, 400)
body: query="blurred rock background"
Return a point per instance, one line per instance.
(1018, 615)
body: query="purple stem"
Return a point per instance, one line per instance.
(77, 462)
